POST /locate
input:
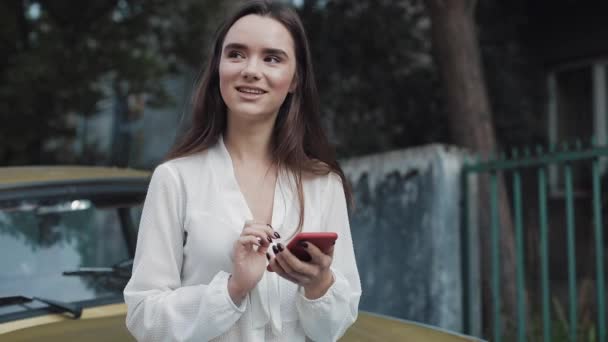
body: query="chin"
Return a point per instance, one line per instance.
(252, 115)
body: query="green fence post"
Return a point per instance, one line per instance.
(464, 252)
(599, 250)
(519, 249)
(544, 254)
(571, 252)
(495, 226)
(563, 157)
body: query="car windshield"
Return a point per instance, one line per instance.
(40, 240)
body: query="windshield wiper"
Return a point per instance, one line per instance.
(119, 270)
(73, 309)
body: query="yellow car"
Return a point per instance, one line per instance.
(67, 238)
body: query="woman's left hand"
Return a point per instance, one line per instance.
(314, 276)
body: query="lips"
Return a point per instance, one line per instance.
(251, 90)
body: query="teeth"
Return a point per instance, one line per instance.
(251, 91)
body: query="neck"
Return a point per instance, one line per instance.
(249, 142)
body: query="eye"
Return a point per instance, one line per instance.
(235, 54)
(272, 59)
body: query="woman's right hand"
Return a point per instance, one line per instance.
(249, 259)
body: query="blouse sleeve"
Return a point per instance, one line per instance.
(159, 307)
(328, 317)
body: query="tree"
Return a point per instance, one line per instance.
(375, 74)
(62, 57)
(470, 120)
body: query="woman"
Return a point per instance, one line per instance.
(253, 170)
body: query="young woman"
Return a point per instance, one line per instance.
(254, 169)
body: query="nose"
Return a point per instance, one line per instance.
(251, 70)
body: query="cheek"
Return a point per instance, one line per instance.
(228, 71)
(281, 80)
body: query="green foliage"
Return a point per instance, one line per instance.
(378, 83)
(560, 331)
(514, 77)
(378, 86)
(63, 56)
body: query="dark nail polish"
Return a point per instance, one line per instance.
(275, 250)
(277, 235)
(281, 248)
(304, 244)
(269, 239)
(269, 226)
(268, 256)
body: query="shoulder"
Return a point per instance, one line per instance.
(319, 172)
(191, 164)
(323, 183)
(184, 170)
(185, 163)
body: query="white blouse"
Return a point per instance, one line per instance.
(193, 213)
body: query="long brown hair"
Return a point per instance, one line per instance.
(298, 140)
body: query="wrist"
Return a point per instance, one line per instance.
(236, 292)
(318, 289)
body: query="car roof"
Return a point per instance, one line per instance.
(27, 176)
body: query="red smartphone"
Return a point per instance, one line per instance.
(323, 240)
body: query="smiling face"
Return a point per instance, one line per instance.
(257, 68)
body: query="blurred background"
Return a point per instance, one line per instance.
(444, 113)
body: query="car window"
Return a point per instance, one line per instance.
(41, 240)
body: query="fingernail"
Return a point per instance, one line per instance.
(259, 241)
(280, 248)
(268, 224)
(275, 250)
(269, 239)
(304, 244)
(268, 256)
(277, 235)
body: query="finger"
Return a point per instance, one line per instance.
(269, 266)
(317, 256)
(266, 228)
(275, 235)
(284, 265)
(278, 268)
(261, 235)
(273, 265)
(290, 271)
(295, 264)
(249, 240)
(262, 225)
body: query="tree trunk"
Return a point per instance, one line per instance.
(470, 120)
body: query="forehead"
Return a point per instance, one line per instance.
(263, 32)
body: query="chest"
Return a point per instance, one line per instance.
(217, 208)
(257, 190)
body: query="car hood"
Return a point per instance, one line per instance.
(101, 323)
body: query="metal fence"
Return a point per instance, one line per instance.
(544, 166)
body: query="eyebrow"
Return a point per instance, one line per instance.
(271, 51)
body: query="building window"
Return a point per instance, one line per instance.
(577, 109)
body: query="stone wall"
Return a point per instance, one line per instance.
(407, 236)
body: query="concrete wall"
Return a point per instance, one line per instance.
(151, 135)
(406, 230)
